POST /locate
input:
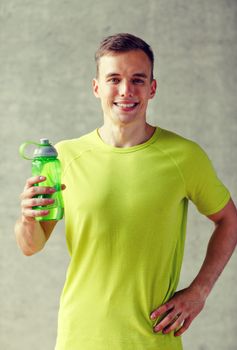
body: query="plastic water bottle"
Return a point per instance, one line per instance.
(45, 163)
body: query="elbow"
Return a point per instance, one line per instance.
(27, 253)
(29, 250)
(26, 248)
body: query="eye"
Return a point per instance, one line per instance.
(114, 80)
(138, 81)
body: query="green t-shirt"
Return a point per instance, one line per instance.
(126, 212)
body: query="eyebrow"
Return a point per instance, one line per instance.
(141, 75)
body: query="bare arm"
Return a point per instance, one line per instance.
(186, 304)
(220, 248)
(31, 235)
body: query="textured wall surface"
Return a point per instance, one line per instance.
(46, 68)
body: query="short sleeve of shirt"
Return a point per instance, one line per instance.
(203, 186)
(60, 147)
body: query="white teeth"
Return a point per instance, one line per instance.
(126, 105)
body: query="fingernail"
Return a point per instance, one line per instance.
(52, 190)
(42, 178)
(44, 212)
(153, 316)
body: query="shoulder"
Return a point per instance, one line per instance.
(76, 146)
(72, 149)
(179, 146)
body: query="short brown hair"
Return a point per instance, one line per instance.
(123, 42)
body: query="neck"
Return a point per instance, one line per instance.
(126, 135)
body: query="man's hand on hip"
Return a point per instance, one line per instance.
(178, 312)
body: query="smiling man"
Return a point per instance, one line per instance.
(128, 185)
(125, 84)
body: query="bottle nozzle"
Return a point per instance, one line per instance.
(44, 141)
(44, 149)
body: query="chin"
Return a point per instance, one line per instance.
(125, 118)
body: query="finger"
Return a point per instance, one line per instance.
(172, 316)
(184, 327)
(33, 202)
(31, 213)
(161, 310)
(35, 190)
(34, 180)
(177, 322)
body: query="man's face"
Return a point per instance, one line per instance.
(124, 86)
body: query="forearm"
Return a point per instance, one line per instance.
(219, 251)
(30, 236)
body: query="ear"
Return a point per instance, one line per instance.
(95, 87)
(153, 88)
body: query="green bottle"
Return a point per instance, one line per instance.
(45, 163)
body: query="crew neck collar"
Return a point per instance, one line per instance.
(140, 146)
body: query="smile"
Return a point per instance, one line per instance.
(126, 105)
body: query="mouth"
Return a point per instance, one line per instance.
(126, 106)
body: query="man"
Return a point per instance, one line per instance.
(126, 200)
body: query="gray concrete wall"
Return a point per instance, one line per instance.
(46, 68)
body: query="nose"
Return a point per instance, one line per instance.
(125, 89)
